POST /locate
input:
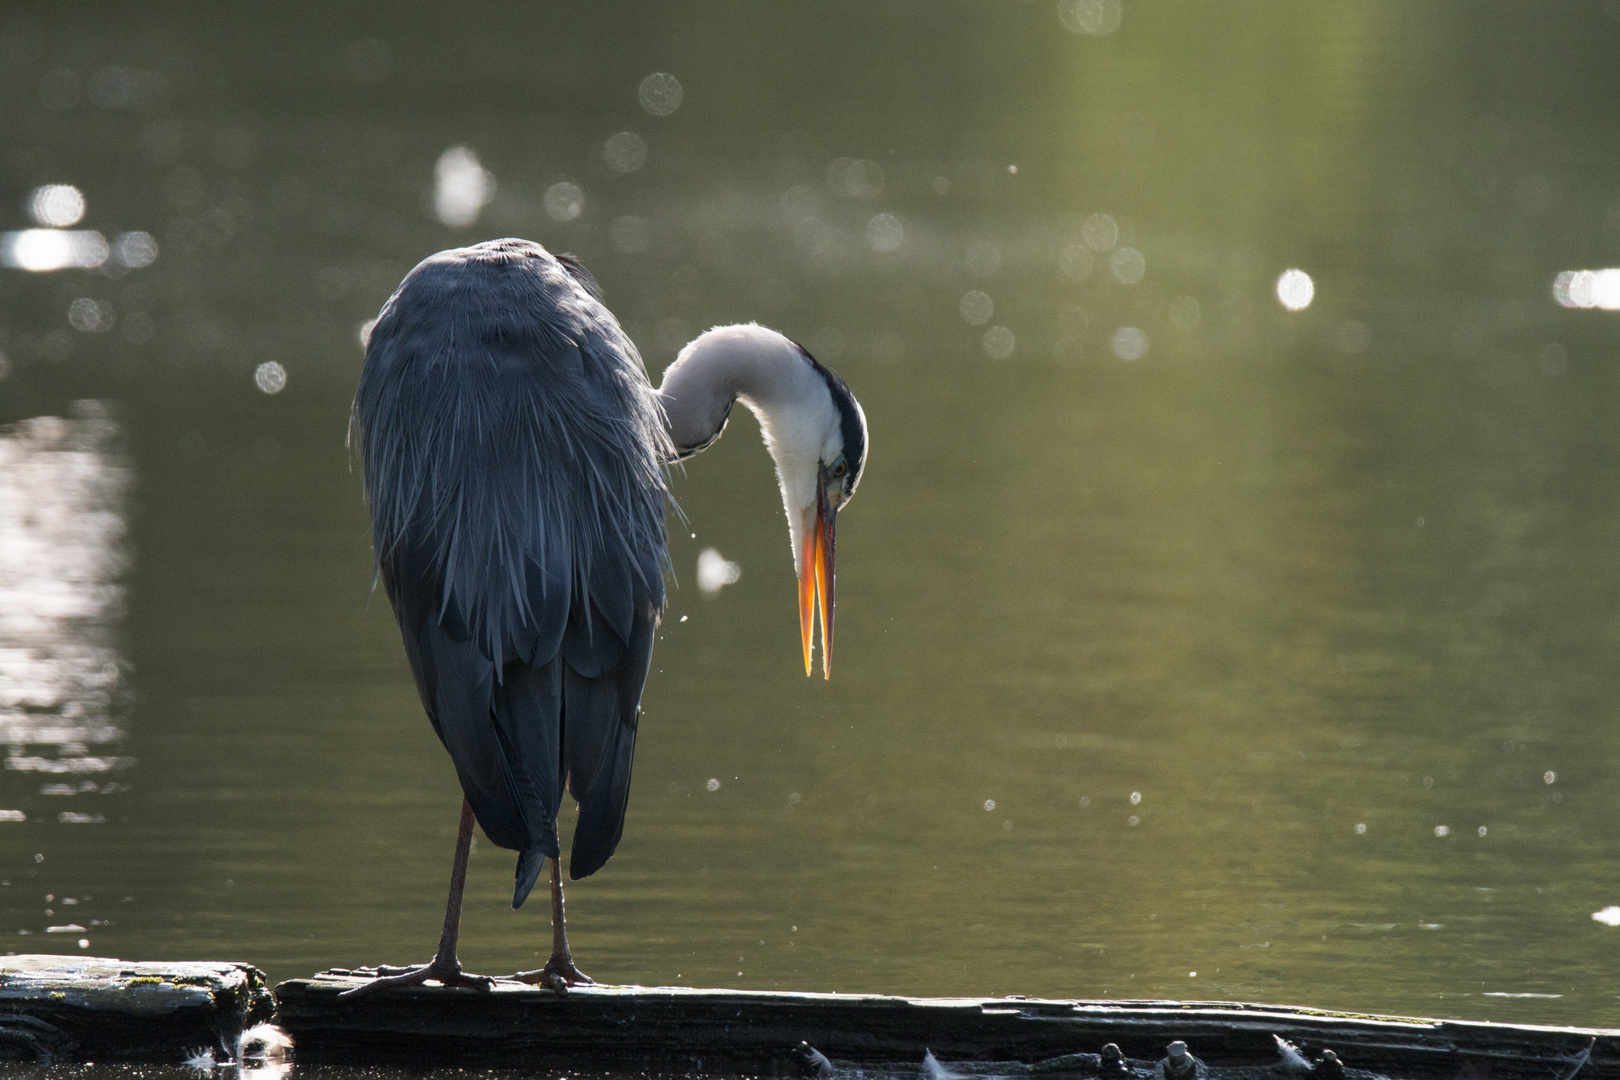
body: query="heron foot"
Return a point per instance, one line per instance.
(558, 975)
(444, 974)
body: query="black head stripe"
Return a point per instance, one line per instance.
(852, 423)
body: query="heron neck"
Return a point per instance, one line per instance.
(759, 367)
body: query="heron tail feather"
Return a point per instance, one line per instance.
(529, 865)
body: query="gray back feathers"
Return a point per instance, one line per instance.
(505, 417)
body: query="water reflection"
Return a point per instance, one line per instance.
(62, 491)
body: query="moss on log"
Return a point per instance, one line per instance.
(68, 1008)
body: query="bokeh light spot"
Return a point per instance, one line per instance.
(625, 152)
(855, 178)
(1588, 289)
(885, 233)
(56, 205)
(564, 201)
(660, 93)
(1101, 232)
(1096, 17)
(976, 307)
(1076, 262)
(270, 377)
(1127, 265)
(44, 250)
(135, 249)
(91, 316)
(1129, 343)
(1295, 290)
(461, 187)
(999, 343)
(715, 572)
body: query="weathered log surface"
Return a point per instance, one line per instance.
(680, 1030)
(68, 1008)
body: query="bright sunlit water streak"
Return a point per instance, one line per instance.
(44, 250)
(62, 560)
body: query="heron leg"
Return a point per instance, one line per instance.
(559, 973)
(444, 968)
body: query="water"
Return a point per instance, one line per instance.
(1282, 575)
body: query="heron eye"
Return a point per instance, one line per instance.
(840, 469)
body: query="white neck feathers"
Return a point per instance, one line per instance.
(776, 381)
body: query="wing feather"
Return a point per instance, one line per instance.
(513, 455)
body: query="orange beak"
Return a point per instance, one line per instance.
(816, 582)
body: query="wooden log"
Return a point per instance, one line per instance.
(69, 1008)
(675, 1029)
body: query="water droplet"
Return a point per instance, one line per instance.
(989, 804)
(713, 784)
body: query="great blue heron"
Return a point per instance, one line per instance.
(514, 456)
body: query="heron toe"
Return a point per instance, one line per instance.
(388, 976)
(558, 975)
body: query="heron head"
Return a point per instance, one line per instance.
(820, 453)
